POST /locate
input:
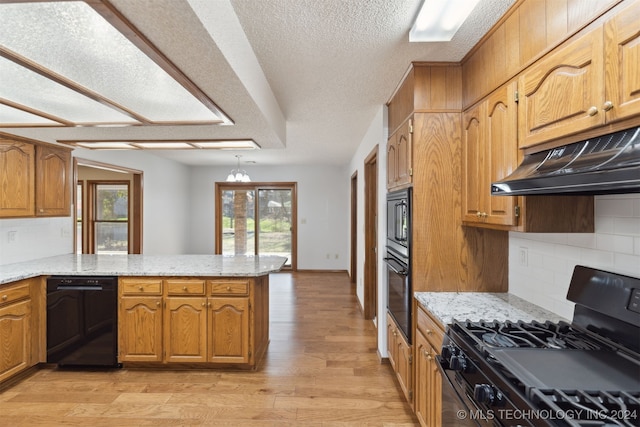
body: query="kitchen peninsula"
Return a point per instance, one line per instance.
(173, 310)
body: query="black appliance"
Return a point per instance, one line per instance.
(82, 318)
(397, 259)
(601, 165)
(516, 373)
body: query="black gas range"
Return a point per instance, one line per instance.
(583, 373)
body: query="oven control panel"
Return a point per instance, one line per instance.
(634, 302)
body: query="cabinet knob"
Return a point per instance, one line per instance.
(204, 304)
(4, 297)
(429, 332)
(208, 304)
(229, 288)
(607, 106)
(592, 111)
(184, 288)
(158, 303)
(484, 215)
(479, 215)
(141, 288)
(41, 210)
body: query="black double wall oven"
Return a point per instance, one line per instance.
(397, 259)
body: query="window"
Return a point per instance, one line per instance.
(110, 224)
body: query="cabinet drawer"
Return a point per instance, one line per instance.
(141, 286)
(185, 287)
(430, 329)
(237, 287)
(10, 294)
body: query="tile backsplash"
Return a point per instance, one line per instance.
(26, 239)
(541, 264)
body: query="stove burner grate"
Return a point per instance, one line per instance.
(530, 335)
(578, 408)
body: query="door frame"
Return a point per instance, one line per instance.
(353, 269)
(136, 220)
(256, 186)
(370, 305)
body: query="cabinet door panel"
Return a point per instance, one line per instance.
(558, 92)
(15, 336)
(421, 395)
(473, 167)
(502, 151)
(622, 38)
(53, 184)
(140, 329)
(229, 330)
(17, 179)
(391, 161)
(186, 329)
(403, 154)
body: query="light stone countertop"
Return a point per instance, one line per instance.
(143, 265)
(474, 306)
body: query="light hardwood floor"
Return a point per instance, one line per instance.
(321, 369)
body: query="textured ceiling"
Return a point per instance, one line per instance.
(303, 78)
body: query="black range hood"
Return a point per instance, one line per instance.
(609, 164)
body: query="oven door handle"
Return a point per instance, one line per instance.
(398, 268)
(79, 288)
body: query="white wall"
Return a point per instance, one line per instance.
(615, 246)
(323, 210)
(376, 135)
(26, 239)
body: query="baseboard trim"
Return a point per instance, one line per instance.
(321, 271)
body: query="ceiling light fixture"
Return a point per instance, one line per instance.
(439, 20)
(238, 175)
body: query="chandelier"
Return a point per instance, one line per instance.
(238, 175)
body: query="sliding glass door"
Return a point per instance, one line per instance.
(256, 219)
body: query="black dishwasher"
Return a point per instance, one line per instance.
(82, 321)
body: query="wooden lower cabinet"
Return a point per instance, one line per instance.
(428, 380)
(215, 321)
(229, 330)
(140, 329)
(401, 358)
(15, 329)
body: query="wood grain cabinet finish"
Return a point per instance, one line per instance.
(189, 320)
(428, 380)
(17, 178)
(53, 181)
(490, 153)
(399, 153)
(622, 59)
(35, 178)
(590, 81)
(15, 329)
(140, 320)
(401, 358)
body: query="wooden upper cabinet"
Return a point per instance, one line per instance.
(562, 94)
(399, 152)
(17, 178)
(53, 183)
(622, 59)
(490, 153)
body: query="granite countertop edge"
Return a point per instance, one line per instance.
(449, 306)
(143, 265)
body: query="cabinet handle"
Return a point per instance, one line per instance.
(4, 297)
(592, 111)
(607, 106)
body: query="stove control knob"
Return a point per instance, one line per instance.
(447, 352)
(483, 393)
(458, 363)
